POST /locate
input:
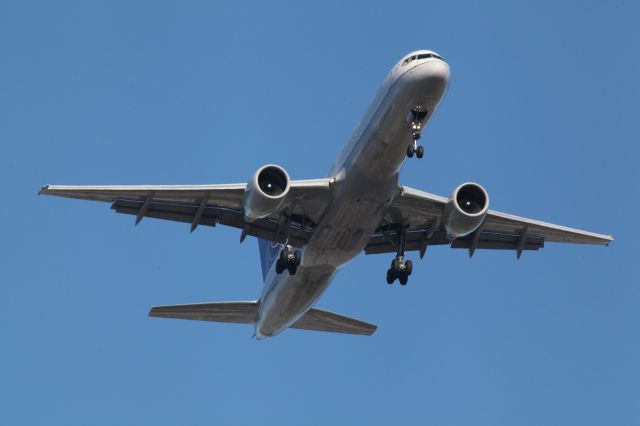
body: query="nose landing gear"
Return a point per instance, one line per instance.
(416, 127)
(289, 259)
(416, 149)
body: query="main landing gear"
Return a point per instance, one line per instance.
(414, 148)
(289, 259)
(400, 267)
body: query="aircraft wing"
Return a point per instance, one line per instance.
(211, 205)
(423, 211)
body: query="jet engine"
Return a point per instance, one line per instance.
(265, 192)
(465, 210)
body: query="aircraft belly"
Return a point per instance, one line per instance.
(341, 234)
(356, 211)
(364, 185)
(384, 152)
(381, 143)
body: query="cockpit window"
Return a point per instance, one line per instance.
(428, 55)
(420, 56)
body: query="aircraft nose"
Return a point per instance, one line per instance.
(433, 74)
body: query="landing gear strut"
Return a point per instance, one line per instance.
(414, 148)
(289, 259)
(400, 268)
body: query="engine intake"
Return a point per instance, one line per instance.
(265, 192)
(465, 210)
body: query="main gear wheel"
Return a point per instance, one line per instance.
(289, 259)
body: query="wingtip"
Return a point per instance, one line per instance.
(43, 190)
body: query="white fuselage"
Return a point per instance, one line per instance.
(364, 183)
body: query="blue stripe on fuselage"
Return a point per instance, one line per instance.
(269, 252)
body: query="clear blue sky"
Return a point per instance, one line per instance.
(542, 110)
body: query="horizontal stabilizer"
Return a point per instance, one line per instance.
(235, 312)
(319, 320)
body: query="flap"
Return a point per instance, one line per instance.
(268, 229)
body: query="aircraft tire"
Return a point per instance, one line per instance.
(395, 265)
(408, 267)
(410, 151)
(391, 277)
(403, 278)
(420, 151)
(292, 269)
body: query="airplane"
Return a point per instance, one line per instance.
(308, 229)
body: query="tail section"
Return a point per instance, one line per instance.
(247, 313)
(268, 254)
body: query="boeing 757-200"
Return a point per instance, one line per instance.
(308, 229)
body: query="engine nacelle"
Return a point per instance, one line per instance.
(465, 210)
(265, 192)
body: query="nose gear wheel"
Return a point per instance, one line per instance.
(416, 127)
